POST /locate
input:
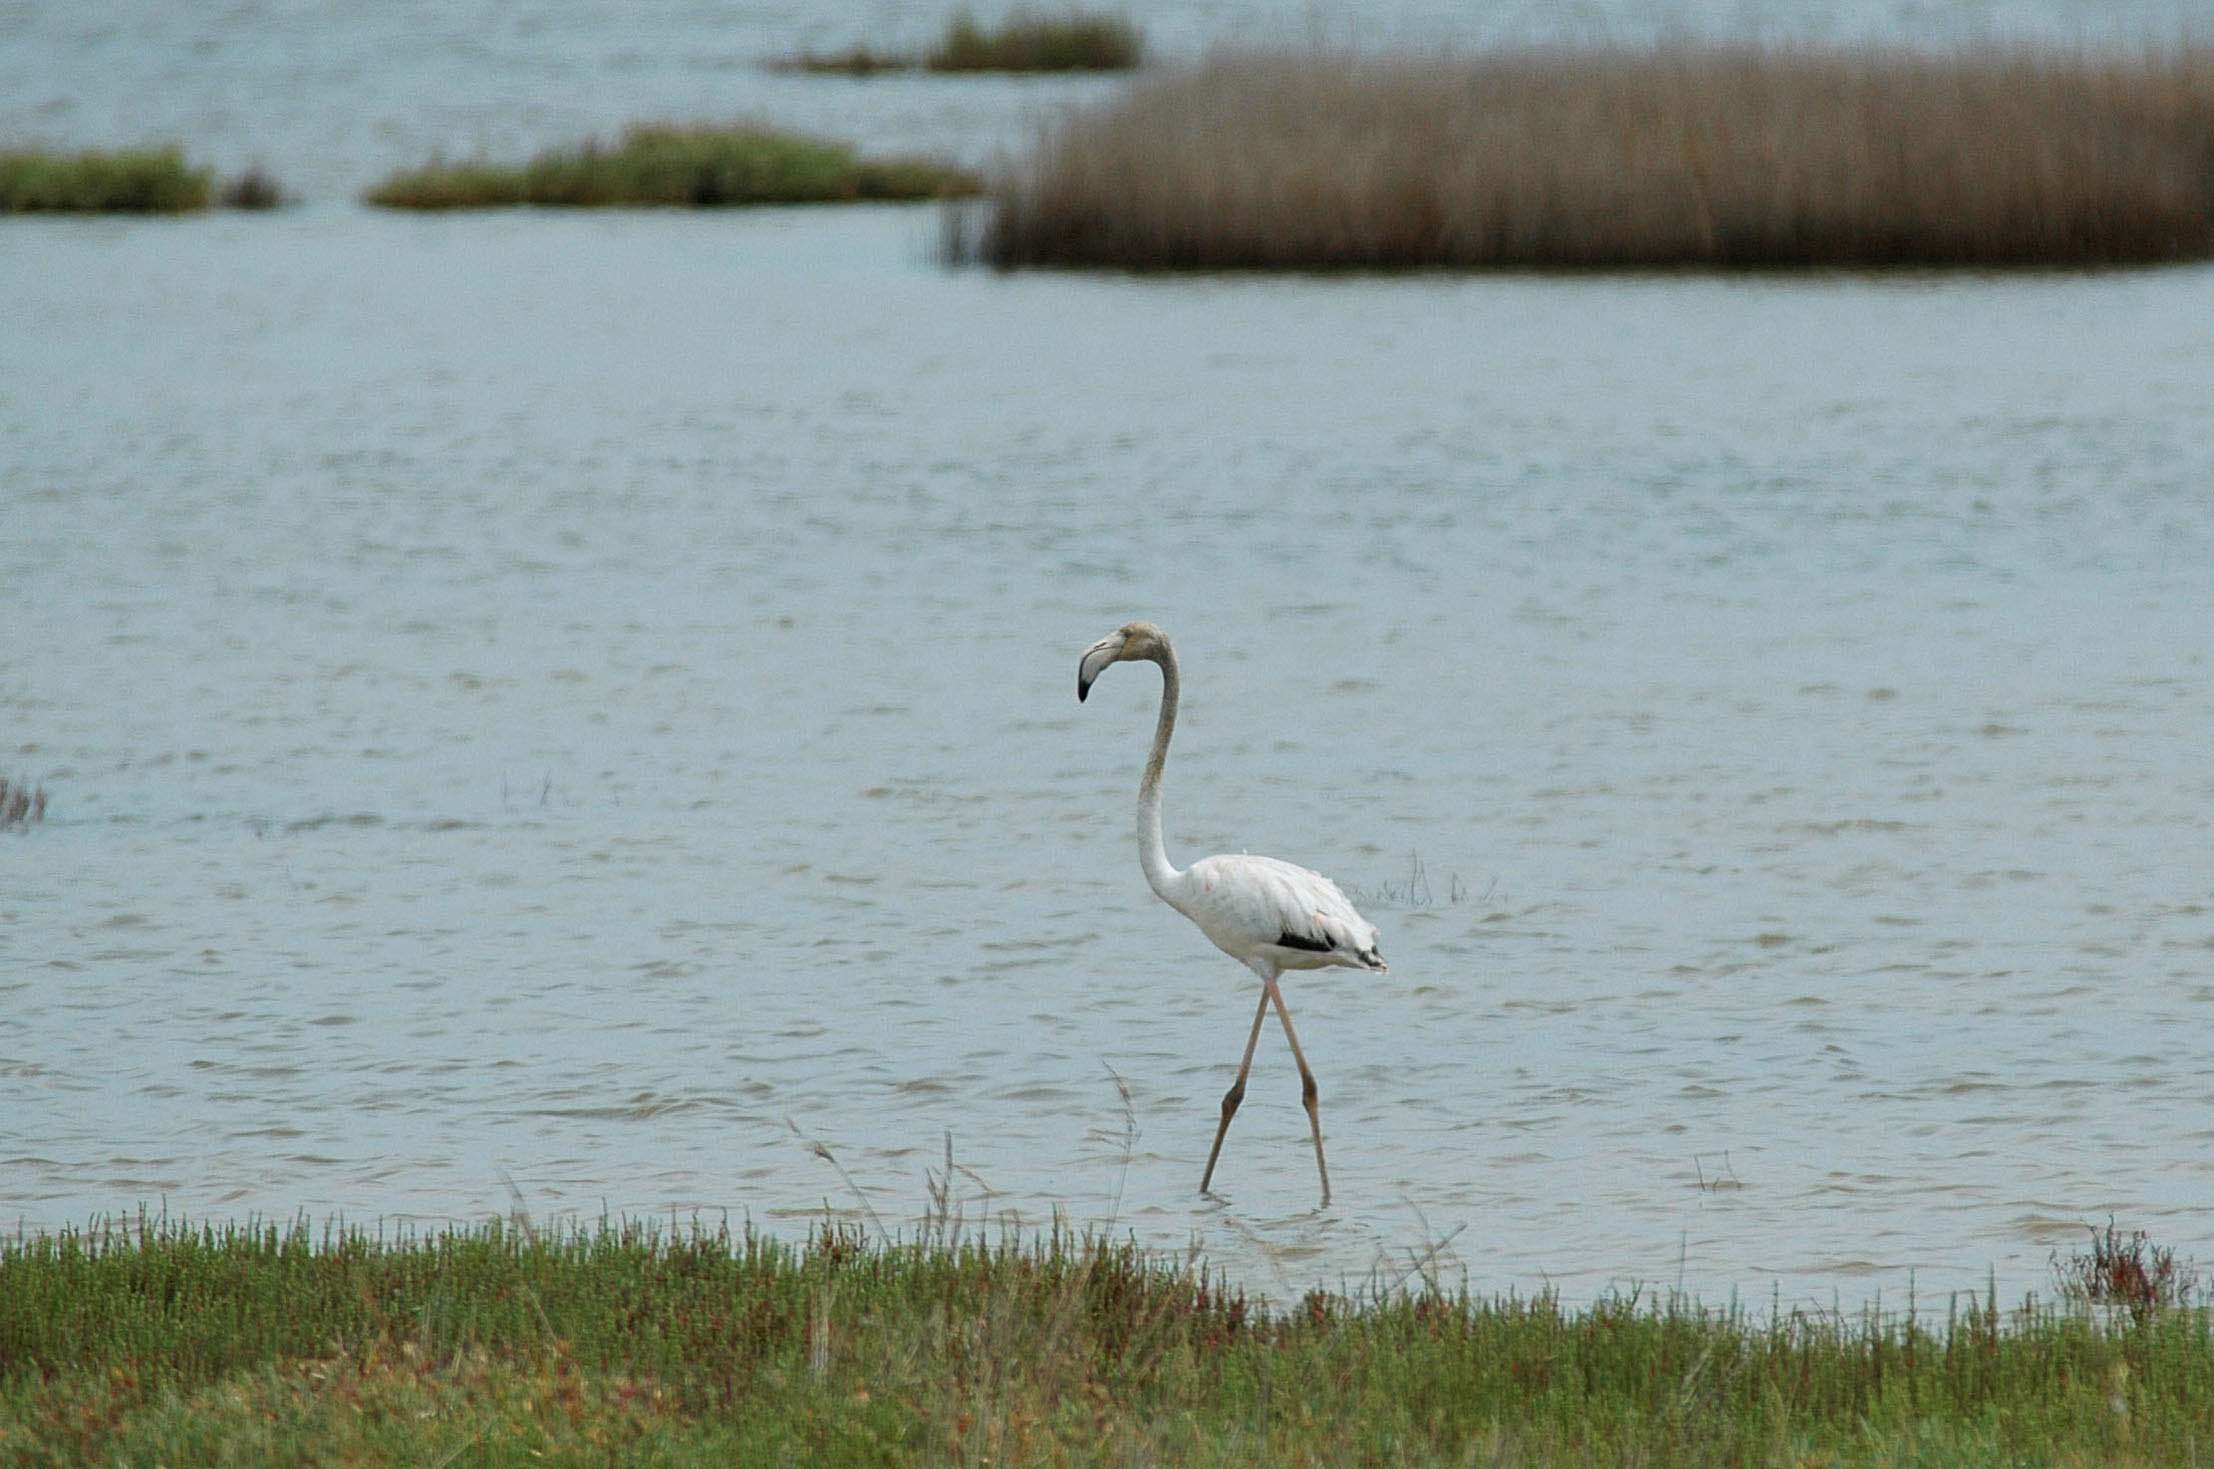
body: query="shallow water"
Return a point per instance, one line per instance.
(563, 702)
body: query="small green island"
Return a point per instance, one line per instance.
(123, 181)
(1024, 42)
(662, 164)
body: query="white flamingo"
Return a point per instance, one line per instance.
(1268, 915)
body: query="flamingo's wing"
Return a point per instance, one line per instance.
(1245, 903)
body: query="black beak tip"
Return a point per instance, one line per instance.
(1082, 688)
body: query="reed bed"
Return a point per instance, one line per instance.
(1025, 42)
(1735, 158)
(163, 1343)
(659, 164)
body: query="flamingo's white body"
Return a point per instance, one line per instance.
(1276, 915)
(1268, 915)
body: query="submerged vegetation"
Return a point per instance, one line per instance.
(667, 165)
(1025, 41)
(1694, 157)
(162, 1343)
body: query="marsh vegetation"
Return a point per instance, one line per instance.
(2126, 1271)
(1721, 157)
(252, 189)
(1024, 42)
(661, 164)
(123, 181)
(159, 1342)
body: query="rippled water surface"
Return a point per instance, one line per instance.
(569, 700)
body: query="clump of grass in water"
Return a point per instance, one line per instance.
(1024, 42)
(659, 164)
(1416, 891)
(857, 60)
(21, 805)
(1027, 41)
(1711, 157)
(158, 1342)
(126, 181)
(253, 189)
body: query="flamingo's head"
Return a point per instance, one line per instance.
(1126, 644)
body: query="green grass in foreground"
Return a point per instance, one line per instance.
(161, 1344)
(131, 181)
(665, 165)
(1024, 42)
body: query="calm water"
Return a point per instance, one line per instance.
(569, 699)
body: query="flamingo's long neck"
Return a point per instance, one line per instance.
(1152, 855)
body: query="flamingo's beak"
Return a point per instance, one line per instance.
(1096, 658)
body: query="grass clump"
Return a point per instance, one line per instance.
(1025, 42)
(253, 189)
(857, 60)
(1713, 157)
(1028, 41)
(162, 1343)
(691, 166)
(127, 181)
(21, 804)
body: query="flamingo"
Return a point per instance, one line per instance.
(1268, 915)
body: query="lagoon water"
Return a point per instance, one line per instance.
(561, 709)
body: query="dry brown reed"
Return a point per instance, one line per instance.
(1610, 159)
